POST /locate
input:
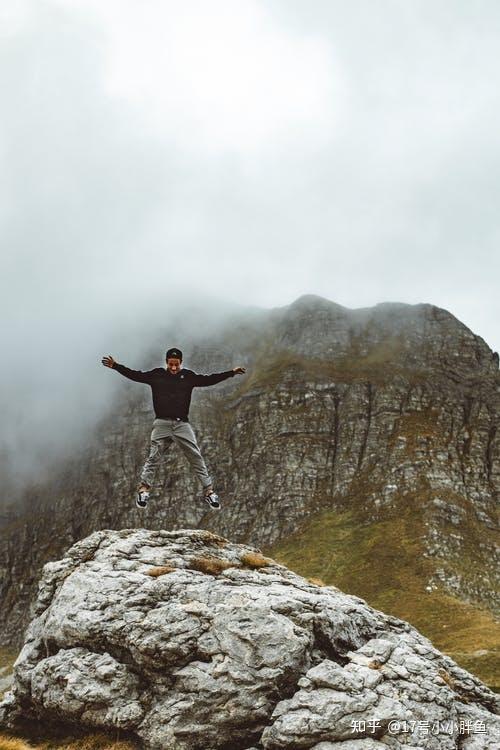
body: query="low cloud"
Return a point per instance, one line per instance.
(160, 155)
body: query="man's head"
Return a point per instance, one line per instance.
(174, 360)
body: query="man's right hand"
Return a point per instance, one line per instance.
(108, 361)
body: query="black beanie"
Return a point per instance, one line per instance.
(174, 353)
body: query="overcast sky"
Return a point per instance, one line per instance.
(153, 152)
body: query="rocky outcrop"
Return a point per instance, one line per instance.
(190, 642)
(375, 409)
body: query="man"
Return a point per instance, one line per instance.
(172, 387)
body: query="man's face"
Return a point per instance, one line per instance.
(173, 365)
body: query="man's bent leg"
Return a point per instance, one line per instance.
(185, 439)
(157, 450)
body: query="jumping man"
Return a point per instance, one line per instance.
(172, 387)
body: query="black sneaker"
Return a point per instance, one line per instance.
(213, 500)
(142, 498)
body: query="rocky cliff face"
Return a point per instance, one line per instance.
(190, 642)
(383, 409)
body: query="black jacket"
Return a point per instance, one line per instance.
(172, 393)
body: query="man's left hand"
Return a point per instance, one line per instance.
(238, 370)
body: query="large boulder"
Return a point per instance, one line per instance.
(190, 642)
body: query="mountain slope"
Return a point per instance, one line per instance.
(379, 412)
(385, 563)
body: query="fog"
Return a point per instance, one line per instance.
(161, 156)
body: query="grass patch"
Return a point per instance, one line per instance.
(417, 427)
(161, 570)
(380, 365)
(98, 741)
(92, 742)
(211, 565)
(8, 655)
(8, 742)
(255, 560)
(215, 565)
(7, 658)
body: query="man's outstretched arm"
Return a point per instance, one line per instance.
(137, 375)
(217, 377)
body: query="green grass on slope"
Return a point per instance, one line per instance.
(382, 562)
(7, 659)
(380, 366)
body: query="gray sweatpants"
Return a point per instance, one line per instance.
(164, 433)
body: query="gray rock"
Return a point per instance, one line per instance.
(230, 657)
